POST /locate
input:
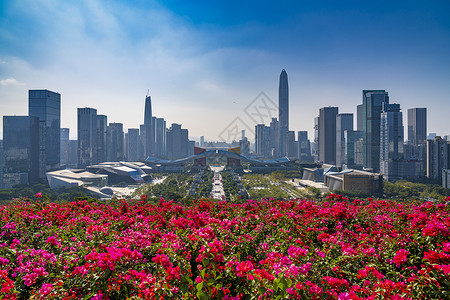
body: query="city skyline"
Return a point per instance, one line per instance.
(211, 60)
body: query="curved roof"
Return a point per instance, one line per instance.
(215, 154)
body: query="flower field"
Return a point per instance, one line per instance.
(334, 249)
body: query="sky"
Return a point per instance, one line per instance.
(214, 66)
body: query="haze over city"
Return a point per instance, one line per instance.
(204, 63)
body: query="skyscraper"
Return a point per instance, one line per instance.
(46, 105)
(160, 137)
(304, 146)
(327, 134)
(87, 137)
(391, 142)
(64, 149)
(262, 140)
(372, 106)
(149, 135)
(132, 144)
(21, 150)
(102, 146)
(274, 137)
(359, 117)
(177, 142)
(438, 157)
(115, 142)
(417, 126)
(283, 111)
(343, 122)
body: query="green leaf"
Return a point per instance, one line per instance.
(262, 290)
(200, 286)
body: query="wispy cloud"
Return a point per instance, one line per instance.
(10, 81)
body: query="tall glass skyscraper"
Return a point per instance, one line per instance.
(327, 134)
(149, 130)
(283, 111)
(417, 126)
(372, 107)
(46, 105)
(343, 122)
(21, 150)
(87, 137)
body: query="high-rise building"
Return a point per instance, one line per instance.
(327, 134)
(160, 137)
(359, 117)
(21, 150)
(274, 138)
(353, 152)
(304, 147)
(283, 111)
(87, 137)
(149, 135)
(438, 157)
(2, 163)
(417, 126)
(177, 142)
(291, 145)
(315, 144)
(372, 106)
(202, 141)
(64, 149)
(391, 142)
(343, 122)
(102, 131)
(132, 144)
(46, 105)
(244, 145)
(262, 140)
(115, 142)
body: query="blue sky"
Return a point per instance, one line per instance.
(204, 62)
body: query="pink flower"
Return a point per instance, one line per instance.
(39, 195)
(401, 257)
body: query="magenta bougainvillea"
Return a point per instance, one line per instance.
(301, 249)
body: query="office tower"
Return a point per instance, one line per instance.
(64, 149)
(160, 137)
(177, 142)
(343, 122)
(274, 137)
(353, 149)
(87, 137)
(244, 145)
(283, 111)
(2, 163)
(73, 154)
(291, 146)
(21, 150)
(327, 135)
(304, 147)
(372, 106)
(391, 142)
(262, 140)
(149, 136)
(202, 141)
(115, 142)
(438, 157)
(102, 146)
(417, 126)
(132, 144)
(242, 134)
(359, 117)
(315, 144)
(46, 105)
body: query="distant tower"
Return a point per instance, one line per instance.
(327, 134)
(46, 105)
(417, 126)
(149, 134)
(372, 107)
(283, 111)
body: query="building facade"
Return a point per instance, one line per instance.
(438, 157)
(392, 165)
(283, 112)
(327, 135)
(417, 126)
(115, 142)
(132, 144)
(343, 122)
(21, 149)
(372, 107)
(46, 105)
(87, 137)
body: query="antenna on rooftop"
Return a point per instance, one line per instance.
(148, 91)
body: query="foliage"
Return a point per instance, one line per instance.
(408, 190)
(336, 249)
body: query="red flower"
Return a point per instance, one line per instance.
(39, 195)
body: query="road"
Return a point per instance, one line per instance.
(217, 191)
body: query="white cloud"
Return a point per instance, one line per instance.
(10, 81)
